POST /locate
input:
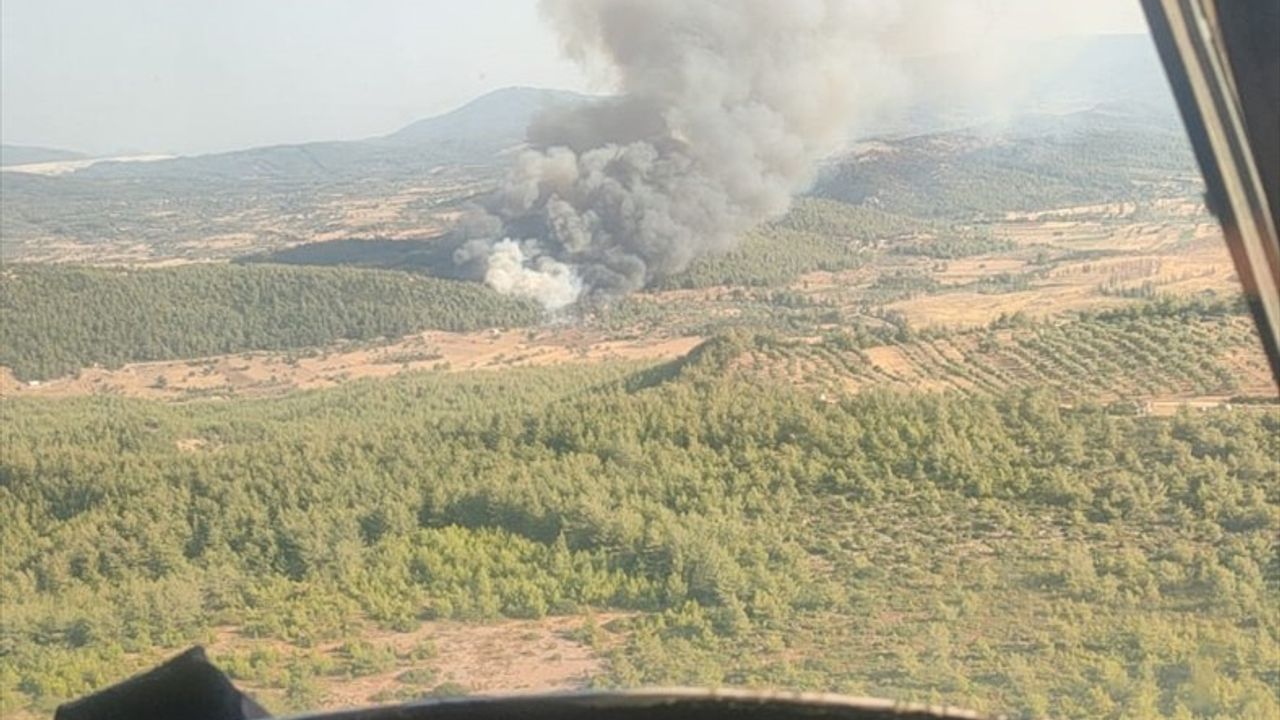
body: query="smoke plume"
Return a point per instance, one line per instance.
(723, 108)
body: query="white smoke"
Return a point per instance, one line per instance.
(523, 272)
(724, 107)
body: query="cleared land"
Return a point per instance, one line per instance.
(267, 374)
(1121, 260)
(509, 656)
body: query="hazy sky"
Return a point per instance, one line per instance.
(191, 76)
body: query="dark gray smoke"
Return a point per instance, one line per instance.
(724, 107)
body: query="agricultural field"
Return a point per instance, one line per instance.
(1154, 352)
(273, 374)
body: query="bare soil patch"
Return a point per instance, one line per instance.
(508, 656)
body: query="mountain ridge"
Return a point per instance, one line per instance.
(1072, 75)
(476, 133)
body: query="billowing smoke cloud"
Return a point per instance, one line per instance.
(724, 107)
(515, 269)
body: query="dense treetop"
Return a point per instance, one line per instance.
(57, 319)
(731, 514)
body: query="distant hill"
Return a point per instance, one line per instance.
(1093, 115)
(890, 188)
(1054, 77)
(487, 125)
(1062, 77)
(1066, 75)
(474, 134)
(1106, 154)
(28, 154)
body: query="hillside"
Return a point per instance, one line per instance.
(487, 125)
(1158, 351)
(1088, 157)
(57, 320)
(226, 204)
(474, 134)
(1003, 552)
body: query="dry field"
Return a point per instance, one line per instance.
(507, 656)
(266, 374)
(502, 657)
(969, 309)
(1116, 259)
(107, 254)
